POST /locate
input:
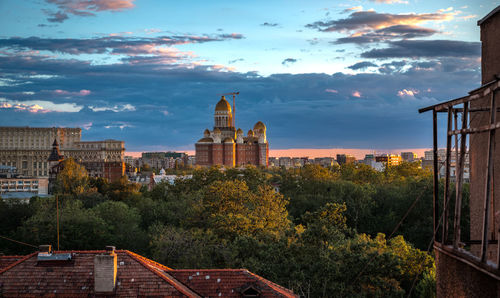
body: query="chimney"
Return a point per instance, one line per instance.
(105, 271)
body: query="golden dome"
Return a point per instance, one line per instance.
(228, 140)
(250, 133)
(223, 105)
(205, 140)
(206, 133)
(239, 131)
(259, 125)
(217, 130)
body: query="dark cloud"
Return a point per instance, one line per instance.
(111, 44)
(425, 49)
(266, 24)
(362, 20)
(176, 103)
(56, 17)
(388, 33)
(362, 65)
(235, 60)
(288, 61)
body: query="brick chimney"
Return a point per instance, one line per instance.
(105, 271)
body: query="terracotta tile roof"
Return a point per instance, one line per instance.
(228, 282)
(8, 260)
(25, 276)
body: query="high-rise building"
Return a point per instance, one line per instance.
(224, 145)
(28, 149)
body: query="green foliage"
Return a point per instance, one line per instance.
(322, 234)
(230, 208)
(72, 179)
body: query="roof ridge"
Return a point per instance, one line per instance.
(271, 284)
(133, 254)
(17, 262)
(225, 269)
(163, 275)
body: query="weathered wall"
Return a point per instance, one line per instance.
(457, 279)
(490, 64)
(490, 38)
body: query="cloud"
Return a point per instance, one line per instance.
(55, 17)
(266, 24)
(425, 49)
(121, 126)
(288, 61)
(405, 93)
(356, 94)
(331, 91)
(35, 106)
(87, 125)
(372, 20)
(117, 108)
(110, 44)
(84, 8)
(362, 65)
(235, 60)
(296, 108)
(82, 92)
(386, 34)
(355, 8)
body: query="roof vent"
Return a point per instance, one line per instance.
(45, 255)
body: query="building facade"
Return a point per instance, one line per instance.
(226, 146)
(28, 149)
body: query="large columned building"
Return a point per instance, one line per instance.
(226, 146)
(28, 149)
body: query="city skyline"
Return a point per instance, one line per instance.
(320, 75)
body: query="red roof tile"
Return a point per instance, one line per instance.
(5, 261)
(228, 282)
(136, 276)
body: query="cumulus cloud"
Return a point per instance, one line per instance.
(405, 93)
(425, 49)
(362, 65)
(284, 102)
(84, 8)
(42, 106)
(288, 61)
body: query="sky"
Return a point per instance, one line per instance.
(319, 74)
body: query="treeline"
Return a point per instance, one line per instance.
(321, 232)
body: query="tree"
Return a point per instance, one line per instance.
(231, 209)
(72, 179)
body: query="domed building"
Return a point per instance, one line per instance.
(226, 146)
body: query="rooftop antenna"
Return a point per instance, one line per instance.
(234, 104)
